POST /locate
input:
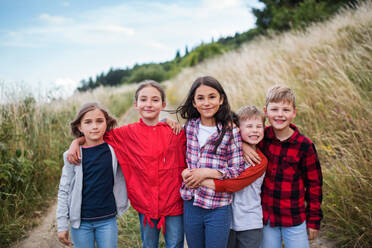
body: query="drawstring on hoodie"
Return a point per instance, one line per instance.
(160, 225)
(148, 220)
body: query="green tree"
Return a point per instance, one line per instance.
(286, 14)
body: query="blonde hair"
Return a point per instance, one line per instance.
(280, 93)
(85, 108)
(250, 112)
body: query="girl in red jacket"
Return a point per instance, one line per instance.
(152, 159)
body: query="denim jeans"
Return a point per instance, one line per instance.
(103, 232)
(173, 232)
(206, 227)
(293, 237)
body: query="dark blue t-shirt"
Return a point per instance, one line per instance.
(98, 201)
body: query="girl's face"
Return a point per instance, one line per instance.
(207, 101)
(149, 104)
(93, 125)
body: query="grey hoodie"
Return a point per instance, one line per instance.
(70, 193)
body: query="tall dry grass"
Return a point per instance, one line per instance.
(33, 136)
(330, 68)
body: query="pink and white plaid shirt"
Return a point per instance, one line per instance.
(228, 159)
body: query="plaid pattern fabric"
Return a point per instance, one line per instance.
(293, 177)
(228, 160)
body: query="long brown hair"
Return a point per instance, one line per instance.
(224, 115)
(85, 108)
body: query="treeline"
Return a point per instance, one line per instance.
(276, 15)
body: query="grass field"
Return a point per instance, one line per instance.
(329, 67)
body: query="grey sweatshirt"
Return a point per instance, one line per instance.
(70, 193)
(246, 207)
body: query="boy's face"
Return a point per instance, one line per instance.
(252, 130)
(280, 114)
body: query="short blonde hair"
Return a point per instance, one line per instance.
(250, 112)
(280, 93)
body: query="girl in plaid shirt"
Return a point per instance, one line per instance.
(213, 151)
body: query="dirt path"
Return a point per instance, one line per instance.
(45, 234)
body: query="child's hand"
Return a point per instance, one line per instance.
(176, 127)
(250, 155)
(185, 174)
(73, 154)
(63, 238)
(209, 183)
(198, 175)
(312, 233)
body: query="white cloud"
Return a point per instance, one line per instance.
(94, 40)
(157, 45)
(49, 19)
(111, 29)
(222, 4)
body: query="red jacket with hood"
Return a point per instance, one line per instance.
(152, 159)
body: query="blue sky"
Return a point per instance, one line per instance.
(48, 43)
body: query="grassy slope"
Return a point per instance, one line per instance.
(33, 136)
(329, 67)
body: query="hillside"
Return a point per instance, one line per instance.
(329, 67)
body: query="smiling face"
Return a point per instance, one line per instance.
(207, 101)
(252, 130)
(149, 104)
(280, 114)
(93, 126)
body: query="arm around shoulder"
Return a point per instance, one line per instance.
(247, 177)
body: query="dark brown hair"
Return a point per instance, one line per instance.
(224, 116)
(85, 108)
(150, 83)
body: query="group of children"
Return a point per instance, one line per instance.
(184, 183)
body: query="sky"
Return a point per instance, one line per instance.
(52, 44)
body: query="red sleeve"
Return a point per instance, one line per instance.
(115, 136)
(247, 177)
(313, 192)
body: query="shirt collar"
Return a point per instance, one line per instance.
(293, 139)
(159, 123)
(197, 121)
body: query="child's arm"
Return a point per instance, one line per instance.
(62, 206)
(247, 177)
(113, 137)
(250, 155)
(193, 178)
(234, 157)
(73, 154)
(176, 127)
(313, 180)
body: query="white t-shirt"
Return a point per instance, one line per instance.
(204, 133)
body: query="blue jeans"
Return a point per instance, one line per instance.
(293, 237)
(103, 232)
(206, 227)
(173, 232)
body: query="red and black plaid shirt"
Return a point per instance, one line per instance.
(293, 176)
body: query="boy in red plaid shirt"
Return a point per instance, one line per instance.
(293, 176)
